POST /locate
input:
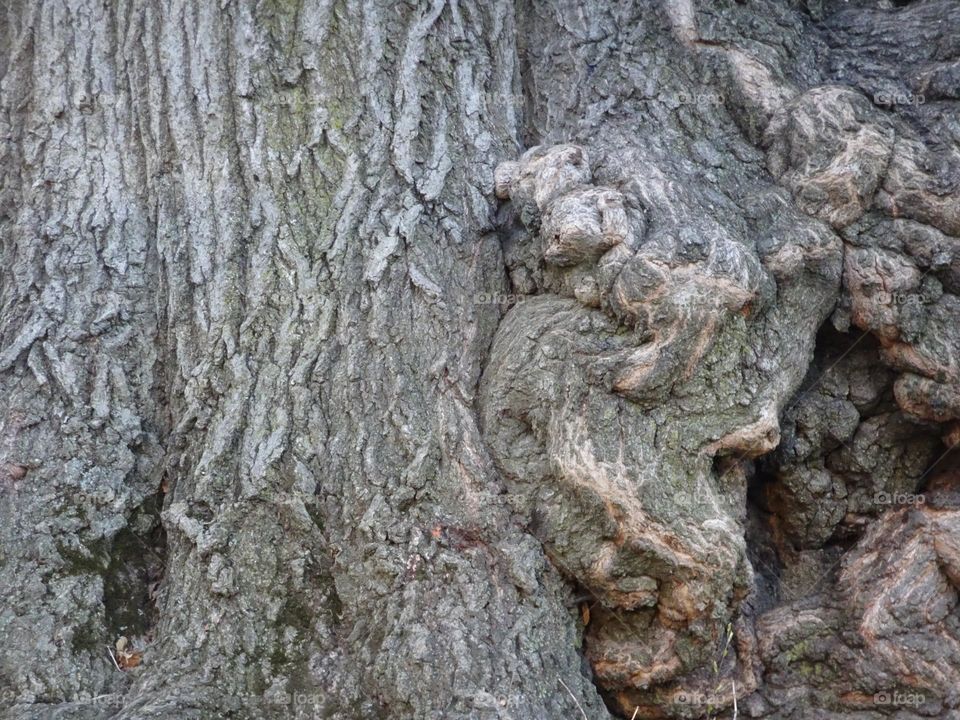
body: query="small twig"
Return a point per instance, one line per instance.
(574, 698)
(110, 653)
(734, 698)
(635, 711)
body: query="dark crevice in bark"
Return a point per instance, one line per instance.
(133, 578)
(130, 568)
(761, 548)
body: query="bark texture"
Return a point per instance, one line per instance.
(479, 360)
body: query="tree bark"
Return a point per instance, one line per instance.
(278, 440)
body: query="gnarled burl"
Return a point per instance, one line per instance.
(622, 396)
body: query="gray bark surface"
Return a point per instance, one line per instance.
(479, 360)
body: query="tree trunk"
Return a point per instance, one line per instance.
(324, 399)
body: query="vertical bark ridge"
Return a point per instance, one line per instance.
(80, 450)
(321, 181)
